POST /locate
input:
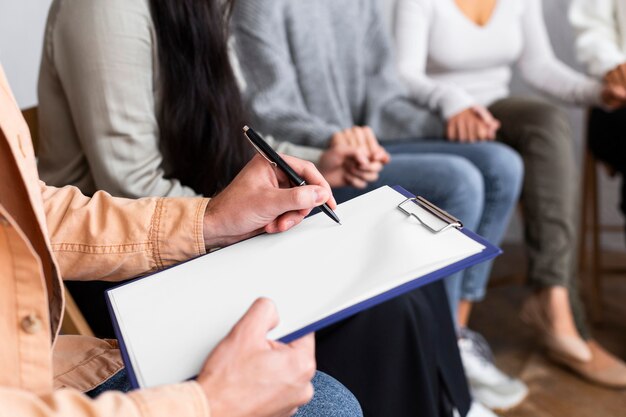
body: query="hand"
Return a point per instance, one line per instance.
(247, 375)
(614, 96)
(617, 76)
(254, 202)
(475, 124)
(343, 165)
(363, 138)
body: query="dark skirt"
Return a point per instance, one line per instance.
(400, 358)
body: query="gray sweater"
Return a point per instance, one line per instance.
(315, 67)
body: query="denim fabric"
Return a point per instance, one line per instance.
(118, 382)
(478, 183)
(331, 399)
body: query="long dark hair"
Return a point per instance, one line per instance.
(201, 111)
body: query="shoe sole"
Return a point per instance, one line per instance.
(567, 364)
(504, 409)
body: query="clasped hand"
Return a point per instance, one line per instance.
(354, 158)
(475, 124)
(614, 91)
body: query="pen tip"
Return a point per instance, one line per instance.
(340, 224)
(246, 128)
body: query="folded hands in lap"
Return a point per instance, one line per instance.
(354, 157)
(474, 124)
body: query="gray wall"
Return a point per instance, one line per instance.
(21, 32)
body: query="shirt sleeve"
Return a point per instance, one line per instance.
(111, 239)
(597, 44)
(412, 24)
(272, 92)
(103, 53)
(543, 71)
(181, 400)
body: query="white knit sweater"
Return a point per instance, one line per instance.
(450, 63)
(601, 27)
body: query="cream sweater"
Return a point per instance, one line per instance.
(601, 27)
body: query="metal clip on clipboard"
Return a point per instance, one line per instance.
(449, 220)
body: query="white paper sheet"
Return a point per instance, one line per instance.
(170, 321)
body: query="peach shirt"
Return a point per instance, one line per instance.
(47, 233)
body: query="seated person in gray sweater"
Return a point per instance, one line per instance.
(316, 72)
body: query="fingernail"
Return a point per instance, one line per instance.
(290, 224)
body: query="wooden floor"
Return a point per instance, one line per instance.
(554, 391)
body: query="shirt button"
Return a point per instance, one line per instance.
(31, 324)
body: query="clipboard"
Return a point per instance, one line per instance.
(447, 222)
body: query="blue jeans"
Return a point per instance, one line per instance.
(478, 183)
(331, 399)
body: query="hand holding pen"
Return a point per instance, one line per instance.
(260, 199)
(274, 159)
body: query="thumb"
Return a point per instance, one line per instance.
(484, 114)
(360, 155)
(619, 92)
(260, 318)
(384, 156)
(305, 344)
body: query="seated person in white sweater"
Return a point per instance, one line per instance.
(456, 57)
(601, 46)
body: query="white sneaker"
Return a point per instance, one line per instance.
(488, 384)
(477, 410)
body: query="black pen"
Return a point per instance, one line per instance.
(270, 154)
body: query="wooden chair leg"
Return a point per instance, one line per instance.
(73, 321)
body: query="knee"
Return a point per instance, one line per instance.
(464, 189)
(505, 168)
(547, 122)
(331, 399)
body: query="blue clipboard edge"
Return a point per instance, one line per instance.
(128, 365)
(488, 254)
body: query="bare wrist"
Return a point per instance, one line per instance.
(215, 405)
(213, 239)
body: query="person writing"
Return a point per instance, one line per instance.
(139, 98)
(49, 233)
